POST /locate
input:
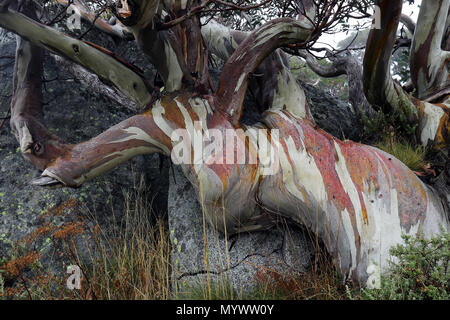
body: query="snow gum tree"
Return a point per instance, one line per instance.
(358, 199)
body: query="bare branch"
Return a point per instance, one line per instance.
(409, 23)
(251, 52)
(94, 58)
(344, 65)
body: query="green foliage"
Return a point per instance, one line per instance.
(383, 125)
(412, 156)
(400, 66)
(221, 289)
(420, 271)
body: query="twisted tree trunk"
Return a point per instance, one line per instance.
(356, 198)
(429, 122)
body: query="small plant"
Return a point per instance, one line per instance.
(420, 271)
(220, 289)
(129, 259)
(412, 156)
(320, 282)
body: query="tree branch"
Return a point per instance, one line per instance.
(409, 23)
(37, 144)
(349, 66)
(379, 87)
(429, 64)
(431, 120)
(251, 52)
(96, 59)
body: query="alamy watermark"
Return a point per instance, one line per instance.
(376, 18)
(74, 20)
(202, 146)
(74, 280)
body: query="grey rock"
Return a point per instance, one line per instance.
(200, 254)
(75, 114)
(333, 115)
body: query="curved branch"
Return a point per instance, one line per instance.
(96, 59)
(409, 23)
(251, 52)
(270, 76)
(87, 160)
(349, 66)
(336, 69)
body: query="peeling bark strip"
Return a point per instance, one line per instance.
(251, 52)
(429, 62)
(356, 198)
(103, 64)
(381, 90)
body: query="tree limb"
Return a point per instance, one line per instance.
(37, 144)
(267, 79)
(431, 120)
(248, 56)
(96, 59)
(380, 88)
(349, 66)
(430, 64)
(409, 23)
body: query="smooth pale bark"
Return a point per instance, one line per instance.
(432, 120)
(429, 63)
